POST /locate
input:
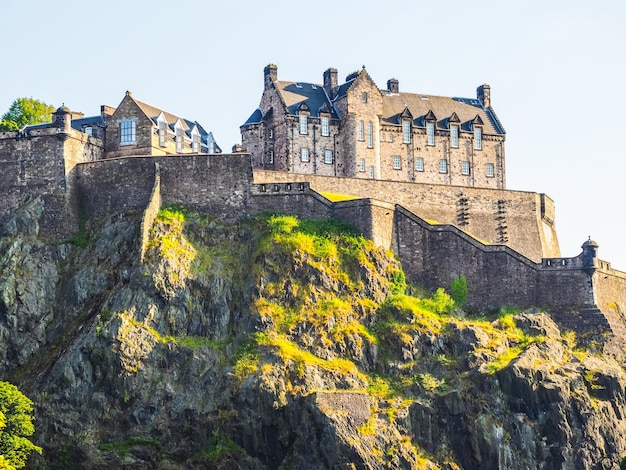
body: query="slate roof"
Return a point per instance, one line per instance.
(442, 107)
(311, 94)
(79, 123)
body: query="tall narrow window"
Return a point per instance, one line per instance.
(419, 164)
(430, 131)
(304, 124)
(478, 138)
(465, 168)
(397, 162)
(162, 133)
(270, 157)
(325, 129)
(128, 132)
(270, 133)
(490, 170)
(382, 136)
(454, 136)
(370, 134)
(328, 156)
(362, 165)
(406, 131)
(304, 155)
(371, 171)
(443, 166)
(361, 130)
(364, 97)
(195, 143)
(390, 137)
(179, 140)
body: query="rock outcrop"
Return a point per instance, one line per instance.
(279, 343)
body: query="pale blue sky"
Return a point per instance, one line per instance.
(556, 70)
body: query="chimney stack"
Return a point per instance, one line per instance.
(393, 85)
(270, 73)
(330, 82)
(483, 93)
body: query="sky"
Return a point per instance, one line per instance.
(556, 70)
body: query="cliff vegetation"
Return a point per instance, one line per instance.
(281, 343)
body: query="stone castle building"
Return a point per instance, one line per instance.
(137, 157)
(357, 130)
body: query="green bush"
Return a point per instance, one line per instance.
(458, 291)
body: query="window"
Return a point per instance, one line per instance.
(454, 136)
(370, 134)
(270, 157)
(304, 155)
(397, 162)
(88, 130)
(443, 166)
(382, 136)
(195, 143)
(465, 168)
(328, 156)
(490, 170)
(430, 131)
(162, 133)
(364, 97)
(325, 129)
(362, 164)
(478, 138)
(179, 140)
(304, 124)
(361, 130)
(270, 133)
(372, 172)
(128, 132)
(419, 164)
(390, 137)
(406, 131)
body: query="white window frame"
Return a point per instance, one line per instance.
(362, 165)
(304, 124)
(195, 142)
(370, 134)
(406, 131)
(270, 133)
(371, 172)
(328, 156)
(390, 137)
(128, 132)
(382, 136)
(478, 138)
(430, 132)
(88, 130)
(179, 139)
(490, 170)
(304, 155)
(270, 156)
(443, 166)
(454, 136)
(465, 167)
(361, 131)
(419, 164)
(397, 162)
(325, 126)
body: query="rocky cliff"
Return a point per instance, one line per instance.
(283, 343)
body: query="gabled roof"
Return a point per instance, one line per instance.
(295, 94)
(463, 110)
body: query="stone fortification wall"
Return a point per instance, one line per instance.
(523, 221)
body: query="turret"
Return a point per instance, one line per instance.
(590, 256)
(62, 119)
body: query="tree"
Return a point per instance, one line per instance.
(459, 291)
(16, 426)
(24, 112)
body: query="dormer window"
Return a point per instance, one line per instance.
(88, 130)
(430, 132)
(478, 138)
(304, 124)
(178, 132)
(454, 136)
(406, 131)
(195, 140)
(162, 125)
(128, 132)
(325, 126)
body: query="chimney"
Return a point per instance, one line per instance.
(483, 93)
(330, 82)
(270, 73)
(106, 112)
(393, 85)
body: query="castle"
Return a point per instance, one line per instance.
(138, 157)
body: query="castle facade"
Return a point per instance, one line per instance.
(358, 130)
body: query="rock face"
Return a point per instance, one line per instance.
(279, 343)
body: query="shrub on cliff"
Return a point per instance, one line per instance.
(16, 426)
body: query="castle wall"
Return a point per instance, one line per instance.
(523, 221)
